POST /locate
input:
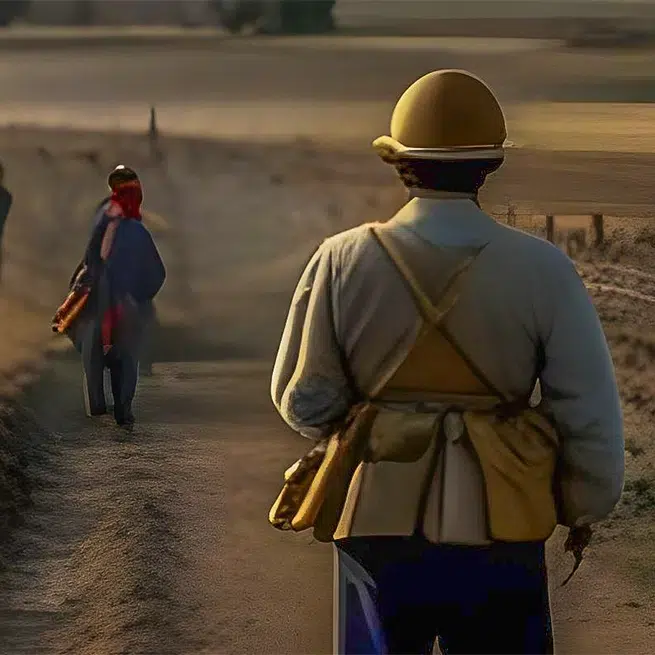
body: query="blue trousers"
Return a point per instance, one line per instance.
(396, 595)
(124, 371)
(123, 364)
(89, 345)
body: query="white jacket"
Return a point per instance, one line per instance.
(352, 315)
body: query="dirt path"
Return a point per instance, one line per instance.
(97, 553)
(157, 542)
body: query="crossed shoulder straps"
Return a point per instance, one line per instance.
(435, 314)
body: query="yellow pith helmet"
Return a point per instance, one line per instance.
(446, 115)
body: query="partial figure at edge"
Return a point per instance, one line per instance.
(6, 201)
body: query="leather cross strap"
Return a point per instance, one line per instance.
(436, 314)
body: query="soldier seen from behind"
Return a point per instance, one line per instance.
(417, 344)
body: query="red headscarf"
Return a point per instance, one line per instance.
(128, 196)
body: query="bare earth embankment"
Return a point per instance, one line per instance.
(157, 542)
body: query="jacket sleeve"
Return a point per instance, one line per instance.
(309, 387)
(579, 390)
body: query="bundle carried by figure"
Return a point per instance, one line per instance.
(74, 304)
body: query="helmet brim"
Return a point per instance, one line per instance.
(391, 151)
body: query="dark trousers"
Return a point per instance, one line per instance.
(93, 367)
(123, 364)
(124, 371)
(150, 326)
(397, 595)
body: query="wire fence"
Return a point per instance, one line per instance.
(574, 233)
(524, 220)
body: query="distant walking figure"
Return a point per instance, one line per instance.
(120, 274)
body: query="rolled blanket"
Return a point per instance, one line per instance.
(70, 309)
(74, 302)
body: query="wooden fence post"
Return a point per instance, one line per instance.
(550, 228)
(599, 231)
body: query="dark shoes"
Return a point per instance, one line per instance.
(128, 426)
(124, 420)
(122, 414)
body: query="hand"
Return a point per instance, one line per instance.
(316, 453)
(577, 541)
(308, 462)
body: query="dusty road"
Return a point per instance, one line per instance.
(155, 542)
(158, 543)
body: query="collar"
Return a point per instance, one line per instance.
(447, 219)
